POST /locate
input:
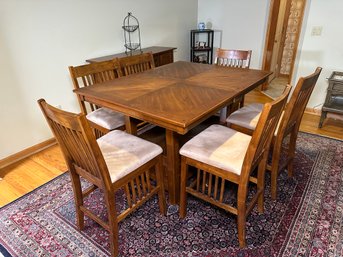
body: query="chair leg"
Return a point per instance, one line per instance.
(241, 104)
(260, 183)
(223, 115)
(113, 223)
(241, 214)
(183, 193)
(80, 217)
(160, 183)
(273, 186)
(291, 152)
(241, 223)
(275, 168)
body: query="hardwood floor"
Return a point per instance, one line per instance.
(331, 128)
(32, 172)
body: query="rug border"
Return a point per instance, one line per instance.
(4, 252)
(328, 137)
(297, 212)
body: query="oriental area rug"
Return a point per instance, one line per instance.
(306, 219)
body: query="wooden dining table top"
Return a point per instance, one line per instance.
(176, 96)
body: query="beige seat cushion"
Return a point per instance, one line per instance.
(107, 118)
(218, 146)
(124, 152)
(246, 116)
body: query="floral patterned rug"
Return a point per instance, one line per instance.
(306, 220)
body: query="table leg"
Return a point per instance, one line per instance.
(223, 115)
(131, 125)
(173, 166)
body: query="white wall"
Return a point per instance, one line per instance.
(325, 50)
(243, 24)
(40, 38)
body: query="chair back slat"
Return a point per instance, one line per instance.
(77, 142)
(137, 63)
(262, 135)
(233, 58)
(93, 73)
(297, 103)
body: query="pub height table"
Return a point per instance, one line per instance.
(177, 97)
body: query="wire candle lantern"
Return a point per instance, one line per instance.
(132, 34)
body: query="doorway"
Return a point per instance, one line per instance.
(284, 27)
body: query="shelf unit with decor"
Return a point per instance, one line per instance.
(202, 45)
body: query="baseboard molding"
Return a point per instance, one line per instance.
(26, 153)
(313, 111)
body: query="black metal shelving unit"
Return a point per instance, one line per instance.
(202, 46)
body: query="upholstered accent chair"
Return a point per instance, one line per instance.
(245, 120)
(117, 160)
(233, 59)
(102, 120)
(222, 155)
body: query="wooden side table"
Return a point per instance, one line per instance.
(334, 97)
(162, 55)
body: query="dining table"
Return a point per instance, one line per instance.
(177, 97)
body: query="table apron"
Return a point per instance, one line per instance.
(180, 129)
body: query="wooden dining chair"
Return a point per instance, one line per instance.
(137, 63)
(233, 59)
(245, 120)
(221, 155)
(102, 120)
(117, 160)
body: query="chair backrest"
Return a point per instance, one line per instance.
(93, 73)
(137, 63)
(297, 103)
(233, 58)
(78, 144)
(262, 135)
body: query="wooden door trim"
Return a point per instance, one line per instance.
(270, 35)
(283, 36)
(296, 42)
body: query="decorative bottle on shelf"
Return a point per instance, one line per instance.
(132, 34)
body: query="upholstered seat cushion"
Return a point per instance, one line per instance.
(246, 116)
(107, 118)
(124, 152)
(218, 146)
